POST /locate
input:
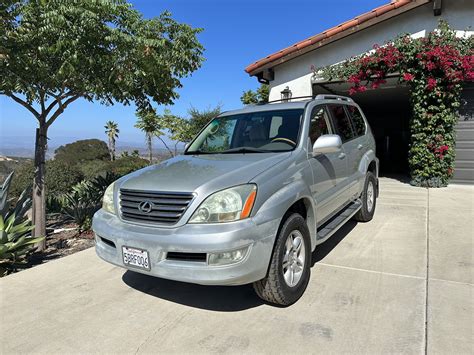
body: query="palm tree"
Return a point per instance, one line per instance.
(147, 121)
(112, 131)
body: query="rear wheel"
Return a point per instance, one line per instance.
(289, 270)
(368, 198)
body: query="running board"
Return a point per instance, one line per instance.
(331, 226)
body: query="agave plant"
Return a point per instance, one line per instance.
(81, 204)
(16, 242)
(85, 199)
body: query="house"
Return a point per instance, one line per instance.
(388, 107)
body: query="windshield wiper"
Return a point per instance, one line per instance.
(244, 150)
(197, 152)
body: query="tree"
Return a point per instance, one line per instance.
(112, 131)
(183, 130)
(54, 52)
(148, 123)
(199, 118)
(178, 129)
(261, 95)
(82, 151)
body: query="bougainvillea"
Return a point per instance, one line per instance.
(434, 67)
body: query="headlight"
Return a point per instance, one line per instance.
(108, 200)
(227, 205)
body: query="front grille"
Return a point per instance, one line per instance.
(157, 207)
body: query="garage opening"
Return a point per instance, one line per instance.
(388, 111)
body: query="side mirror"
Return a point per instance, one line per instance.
(327, 143)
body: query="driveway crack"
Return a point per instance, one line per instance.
(427, 267)
(161, 327)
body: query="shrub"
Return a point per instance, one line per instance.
(91, 169)
(82, 151)
(127, 164)
(16, 242)
(59, 178)
(24, 174)
(434, 68)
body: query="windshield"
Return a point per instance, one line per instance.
(255, 132)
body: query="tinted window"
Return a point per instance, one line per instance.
(342, 123)
(357, 120)
(319, 123)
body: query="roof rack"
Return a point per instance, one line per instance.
(333, 97)
(286, 100)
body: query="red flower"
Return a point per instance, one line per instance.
(408, 77)
(431, 84)
(450, 171)
(430, 66)
(354, 79)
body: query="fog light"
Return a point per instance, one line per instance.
(228, 257)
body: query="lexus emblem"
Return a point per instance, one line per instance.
(145, 206)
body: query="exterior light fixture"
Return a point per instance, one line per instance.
(286, 94)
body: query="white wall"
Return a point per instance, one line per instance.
(296, 73)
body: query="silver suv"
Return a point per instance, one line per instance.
(249, 201)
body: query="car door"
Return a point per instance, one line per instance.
(328, 170)
(343, 127)
(359, 146)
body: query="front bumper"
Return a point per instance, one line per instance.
(189, 238)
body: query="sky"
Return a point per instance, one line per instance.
(236, 33)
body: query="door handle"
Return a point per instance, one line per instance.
(360, 146)
(342, 156)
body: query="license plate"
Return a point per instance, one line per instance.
(136, 257)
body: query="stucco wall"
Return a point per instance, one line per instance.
(297, 74)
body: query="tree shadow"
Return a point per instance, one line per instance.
(212, 298)
(325, 248)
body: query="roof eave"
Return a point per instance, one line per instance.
(326, 38)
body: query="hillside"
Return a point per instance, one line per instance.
(8, 164)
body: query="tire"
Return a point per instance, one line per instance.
(368, 198)
(275, 287)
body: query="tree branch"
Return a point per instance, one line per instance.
(57, 100)
(26, 105)
(61, 108)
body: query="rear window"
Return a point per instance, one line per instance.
(342, 122)
(357, 120)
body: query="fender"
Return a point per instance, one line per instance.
(279, 203)
(365, 161)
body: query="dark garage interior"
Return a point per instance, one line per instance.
(388, 111)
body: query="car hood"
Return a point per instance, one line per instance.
(189, 173)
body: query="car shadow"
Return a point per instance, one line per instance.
(218, 298)
(212, 298)
(325, 248)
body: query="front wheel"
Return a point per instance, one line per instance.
(368, 198)
(289, 270)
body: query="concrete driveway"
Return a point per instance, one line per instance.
(402, 283)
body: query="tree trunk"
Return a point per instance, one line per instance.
(39, 205)
(111, 153)
(112, 149)
(166, 146)
(150, 148)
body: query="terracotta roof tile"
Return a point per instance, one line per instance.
(332, 32)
